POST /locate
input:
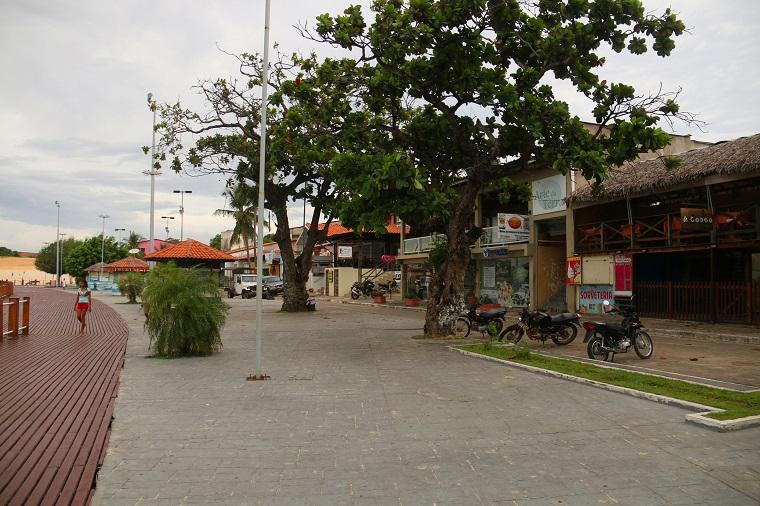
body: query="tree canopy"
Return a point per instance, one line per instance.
(86, 253)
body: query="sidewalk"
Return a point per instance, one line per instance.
(698, 331)
(357, 413)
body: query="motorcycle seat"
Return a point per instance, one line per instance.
(493, 312)
(563, 317)
(615, 327)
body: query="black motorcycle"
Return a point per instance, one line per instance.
(488, 322)
(364, 288)
(540, 326)
(609, 338)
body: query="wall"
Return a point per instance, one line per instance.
(346, 277)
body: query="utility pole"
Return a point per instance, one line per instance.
(257, 374)
(182, 213)
(152, 173)
(60, 243)
(58, 246)
(102, 245)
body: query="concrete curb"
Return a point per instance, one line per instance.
(696, 418)
(389, 306)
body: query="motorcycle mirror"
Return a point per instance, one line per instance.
(606, 303)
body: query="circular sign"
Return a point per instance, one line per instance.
(134, 251)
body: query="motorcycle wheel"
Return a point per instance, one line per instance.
(461, 328)
(569, 333)
(355, 293)
(511, 334)
(642, 345)
(595, 349)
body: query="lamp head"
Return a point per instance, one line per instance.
(150, 98)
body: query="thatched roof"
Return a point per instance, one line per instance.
(729, 158)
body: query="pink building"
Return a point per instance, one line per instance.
(158, 244)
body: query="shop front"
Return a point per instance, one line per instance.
(505, 281)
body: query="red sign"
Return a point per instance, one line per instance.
(574, 270)
(624, 274)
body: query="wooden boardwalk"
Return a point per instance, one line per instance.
(57, 393)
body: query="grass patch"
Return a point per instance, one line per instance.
(735, 404)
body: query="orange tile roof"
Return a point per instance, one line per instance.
(190, 249)
(339, 229)
(129, 264)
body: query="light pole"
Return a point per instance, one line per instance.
(102, 245)
(152, 172)
(58, 245)
(119, 230)
(167, 218)
(60, 242)
(182, 212)
(257, 374)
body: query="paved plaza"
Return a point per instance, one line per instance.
(358, 413)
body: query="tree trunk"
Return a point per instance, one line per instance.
(296, 270)
(247, 252)
(446, 297)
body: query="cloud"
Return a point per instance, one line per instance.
(73, 113)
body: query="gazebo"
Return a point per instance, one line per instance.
(125, 265)
(93, 273)
(192, 253)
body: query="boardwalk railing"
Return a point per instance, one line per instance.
(18, 317)
(733, 301)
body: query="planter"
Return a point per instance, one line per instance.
(411, 302)
(379, 299)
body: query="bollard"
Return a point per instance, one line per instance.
(2, 320)
(13, 317)
(25, 316)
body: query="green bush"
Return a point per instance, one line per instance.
(186, 314)
(131, 286)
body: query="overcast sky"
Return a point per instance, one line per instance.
(74, 77)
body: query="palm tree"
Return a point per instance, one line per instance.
(133, 238)
(243, 206)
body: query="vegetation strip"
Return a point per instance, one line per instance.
(735, 404)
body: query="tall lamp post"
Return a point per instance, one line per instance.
(167, 218)
(119, 230)
(58, 245)
(257, 374)
(182, 212)
(102, 245)
(60, 242)
(152, 172)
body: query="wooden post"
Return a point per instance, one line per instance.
(670, 297)
(13, 317)
(2, 320)
(25, 316)
(713, 301)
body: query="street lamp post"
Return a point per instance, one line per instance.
(60, 242)
(182, 212)
(152, 172)
(102, 245)
(257, 374)
(119, 230)
(58, 245)
(167, 218)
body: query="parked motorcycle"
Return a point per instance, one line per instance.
(487, 322)
(540, 326)
(609, 338)
(364, 288)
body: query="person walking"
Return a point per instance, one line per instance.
(83, 305)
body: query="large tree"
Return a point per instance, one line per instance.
(462, 92)
(86, 253)
(311, 120)
(45, 260)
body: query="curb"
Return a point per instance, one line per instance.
(696, 418)
(389, 306)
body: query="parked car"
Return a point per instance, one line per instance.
(272, 286)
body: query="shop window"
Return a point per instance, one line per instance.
(505, 281)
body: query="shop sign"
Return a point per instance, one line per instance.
(574, 270)
(624, 275)
(345, 252)
(592, 297)
(268, 257)
(549, 194)
(513, 227)
(495, 252)
(696, 219)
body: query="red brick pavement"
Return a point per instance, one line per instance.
(57, 392)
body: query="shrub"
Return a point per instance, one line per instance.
(131, 286)
(186, 313)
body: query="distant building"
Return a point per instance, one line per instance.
(158, 244)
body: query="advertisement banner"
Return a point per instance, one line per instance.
(624, 275)
(513, 227)
(574, 270)
(345, 252)
(549, 194)
(592, 296)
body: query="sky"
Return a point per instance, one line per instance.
(74, 75)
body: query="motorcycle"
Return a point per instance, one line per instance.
(540, 326)
(364, 288)
(487, 322)
(609, 338)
